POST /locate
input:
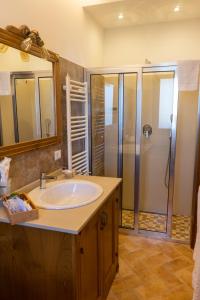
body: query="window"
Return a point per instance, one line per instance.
(109, 91)
(166, 103)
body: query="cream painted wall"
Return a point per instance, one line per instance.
(63, 24)
(11, 61)
(68, 30)
(162, 42)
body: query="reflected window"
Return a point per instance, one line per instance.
(109, 91)
(25, 109)
(47, 107)
(165, 103)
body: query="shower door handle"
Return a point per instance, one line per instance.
(103, 220)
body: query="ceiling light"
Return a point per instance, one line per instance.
(177, 8)
(120, 16)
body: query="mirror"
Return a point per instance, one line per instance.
(29, 99)
(26, 98)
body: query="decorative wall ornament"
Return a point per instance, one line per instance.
(30, 37)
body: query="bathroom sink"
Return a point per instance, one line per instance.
(66, 194)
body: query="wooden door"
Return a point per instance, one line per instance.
(89, 261)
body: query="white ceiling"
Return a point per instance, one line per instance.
(138, 12)
(95, 2)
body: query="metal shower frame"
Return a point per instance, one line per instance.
(139, 70)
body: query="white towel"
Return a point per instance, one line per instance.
(5, 86)
(188, 75)
(196, 256)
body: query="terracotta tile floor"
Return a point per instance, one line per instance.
(152, 269)
(157, 222)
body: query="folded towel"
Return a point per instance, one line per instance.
(188, 75)
(16, 204)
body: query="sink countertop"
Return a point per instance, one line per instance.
(68, 220)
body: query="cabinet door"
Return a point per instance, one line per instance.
(117, 202)
(89, 261)
(108, 241)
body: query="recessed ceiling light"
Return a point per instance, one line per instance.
(177, 8)
(120, 16)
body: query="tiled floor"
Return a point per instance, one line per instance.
(152, 269)
(157, 222)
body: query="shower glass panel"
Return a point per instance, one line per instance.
(157, 113)
(130, 98)
(185, 160)
(104, 100)
(136, 136)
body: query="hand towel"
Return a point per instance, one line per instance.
(188, 75)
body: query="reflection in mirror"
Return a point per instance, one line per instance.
(47, 107)
(24, 102)
(7, 132)
(27, 104)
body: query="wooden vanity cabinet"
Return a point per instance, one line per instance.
(99, 251)
(90, 277)
(48, 265)
(108, 255)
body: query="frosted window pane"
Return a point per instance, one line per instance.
(109, 90)
(166, 102)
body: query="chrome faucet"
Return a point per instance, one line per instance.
(43, 178)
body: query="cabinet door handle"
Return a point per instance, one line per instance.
(104, 220)
(81, 250)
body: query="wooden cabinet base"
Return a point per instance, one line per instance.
(38, 264)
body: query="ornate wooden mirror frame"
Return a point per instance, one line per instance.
(13, 38)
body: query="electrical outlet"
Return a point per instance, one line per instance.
(57, 154)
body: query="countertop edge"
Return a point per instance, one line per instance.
(62, 229)
(98, 207)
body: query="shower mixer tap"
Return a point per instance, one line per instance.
(147, 131)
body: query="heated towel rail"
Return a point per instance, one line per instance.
(77, 125)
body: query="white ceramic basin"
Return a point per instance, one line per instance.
(66, 194)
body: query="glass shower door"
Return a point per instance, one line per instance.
(128, 148)
(155, 152)
(104, 103)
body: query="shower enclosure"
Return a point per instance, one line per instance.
(144, 131)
